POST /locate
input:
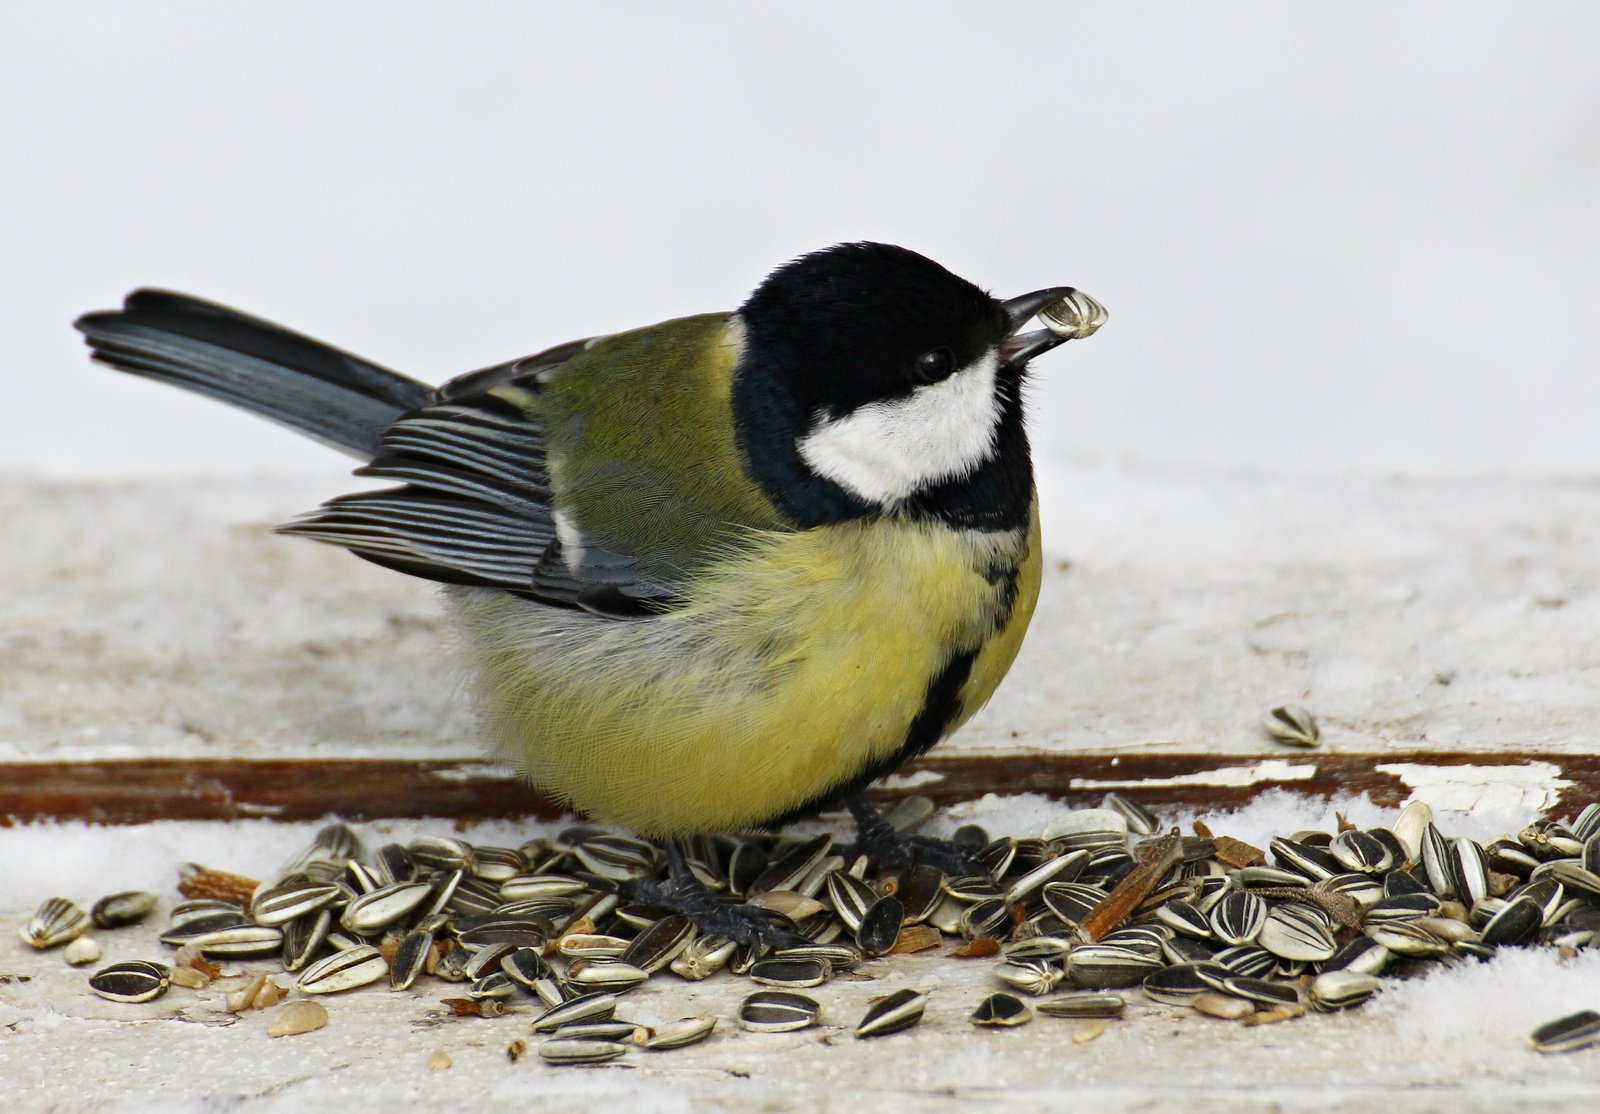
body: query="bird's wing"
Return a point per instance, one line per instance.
(600, 474)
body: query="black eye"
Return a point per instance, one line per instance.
(935, 365)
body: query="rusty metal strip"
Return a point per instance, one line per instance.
(136, 791)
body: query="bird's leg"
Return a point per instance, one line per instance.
(877, 839)
(743, 924)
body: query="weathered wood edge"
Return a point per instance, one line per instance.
(139, 791)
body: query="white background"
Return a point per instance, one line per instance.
(1332, 237)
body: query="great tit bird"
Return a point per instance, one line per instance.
(713, 574)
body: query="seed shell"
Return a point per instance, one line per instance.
(892, 1013)
(880, 926)
(300, 1016)
(1291, 724)
(681, 1034)
(1001, 1011)
(778, 1011)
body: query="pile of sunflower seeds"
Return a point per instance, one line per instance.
(1101, 901)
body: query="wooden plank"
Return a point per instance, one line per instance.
(138, 791)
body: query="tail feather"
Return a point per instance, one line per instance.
(313, 388)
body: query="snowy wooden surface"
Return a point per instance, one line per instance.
(142, 621)
(165, 621)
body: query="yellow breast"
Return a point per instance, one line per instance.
(797, 662)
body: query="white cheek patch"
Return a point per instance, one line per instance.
(887, 451)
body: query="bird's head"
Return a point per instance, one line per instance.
(872, 379)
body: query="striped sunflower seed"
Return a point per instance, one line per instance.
(1238, 917)
(1291, 724)
(530, 887)
(562, 1051)
(441, 853)
(850, 897)
(704, 957)
(920, 891)
(619, 858)
(1263, 991)
(892, 1014)
(1340, 990)
(610, 975)
(136, 981)
(496, 864)
(119, 910)
(1083, 1005)
(409, 958)
(657, 946)
(1062, 868)
(601, 1031)
(792, 974)
(1179, 984)
(880, 926)
(344, 970)
(57, 921)
(304, 936)
(1297, 932)
(1567, 1034)
(1141, 821)
(281, 904)
(778, 1011)
(1031, 978)
(596, 1006)
(1361, 853)
(1246, 959)
(589, 945)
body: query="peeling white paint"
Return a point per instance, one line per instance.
(1527, 786)
(473, 771)
(909, 781)
(1229, 777)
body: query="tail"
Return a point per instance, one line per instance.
(336, 398)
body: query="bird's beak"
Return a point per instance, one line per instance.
(1067, 314)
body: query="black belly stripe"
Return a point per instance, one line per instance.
(941, 704)
(940, 707)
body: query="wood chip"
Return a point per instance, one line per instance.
(1237, 853)
(1344, 825)
(916, 938)
(976, 949)
(1201, 830)
(1133, 889)
(219, 885)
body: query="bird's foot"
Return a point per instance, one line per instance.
(743, 924)
(877, 839)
